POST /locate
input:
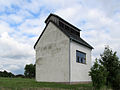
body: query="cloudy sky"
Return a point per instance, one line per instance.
(22, 21)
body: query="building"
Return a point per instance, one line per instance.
(61, 54)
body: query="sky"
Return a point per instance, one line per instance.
(22, 21)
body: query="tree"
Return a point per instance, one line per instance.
(98, 75)
(116, 84)
(6, 74)
(19, 76)
(109, 66)
(110, 61)
(29, 71)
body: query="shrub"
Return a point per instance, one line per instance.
(106, 70)
(98, 75)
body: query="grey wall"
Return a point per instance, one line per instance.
(79, 71)
(52, 56)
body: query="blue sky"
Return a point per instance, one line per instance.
(22, 21)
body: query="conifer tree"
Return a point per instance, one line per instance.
(109, 67)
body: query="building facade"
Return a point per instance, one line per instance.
(61, 54)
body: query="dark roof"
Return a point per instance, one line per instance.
(74, 35)
(61, 20)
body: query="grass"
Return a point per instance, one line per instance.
(31, 84)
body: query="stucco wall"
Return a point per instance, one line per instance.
(52, 56)
(79, 71)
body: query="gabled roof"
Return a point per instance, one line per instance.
(71, 31)
(74, 37)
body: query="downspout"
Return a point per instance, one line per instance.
(69, 62)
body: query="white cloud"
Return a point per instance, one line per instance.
(12, 48)
(99, 21)
(13, 68)
(14, 54)
(31, 26)
(4, 27)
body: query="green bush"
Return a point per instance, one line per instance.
(116, 82)
(98, 75)
(107, 71)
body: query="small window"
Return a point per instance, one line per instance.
(61, 24)
(66, 27)
(80, 57)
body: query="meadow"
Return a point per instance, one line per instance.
(31, 84)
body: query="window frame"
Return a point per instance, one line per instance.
(80, 61)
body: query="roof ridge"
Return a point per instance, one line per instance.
(51, 14)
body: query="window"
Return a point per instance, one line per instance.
(61, 24)
(80, 57)
(66, 27)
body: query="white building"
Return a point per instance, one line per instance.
(61, 54)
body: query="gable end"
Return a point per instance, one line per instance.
(45, 29)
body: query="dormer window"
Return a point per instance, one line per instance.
(61, 24)
(66, 27)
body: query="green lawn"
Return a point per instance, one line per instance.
(31, 84)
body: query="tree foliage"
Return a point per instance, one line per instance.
(6, 74)
(29, 71)
(110, 61)
(19, 76)
(98, 75)
(107, 71)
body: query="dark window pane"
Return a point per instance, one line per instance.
(77, 59)
(80, 57)
(66, 27)
(61, 24)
